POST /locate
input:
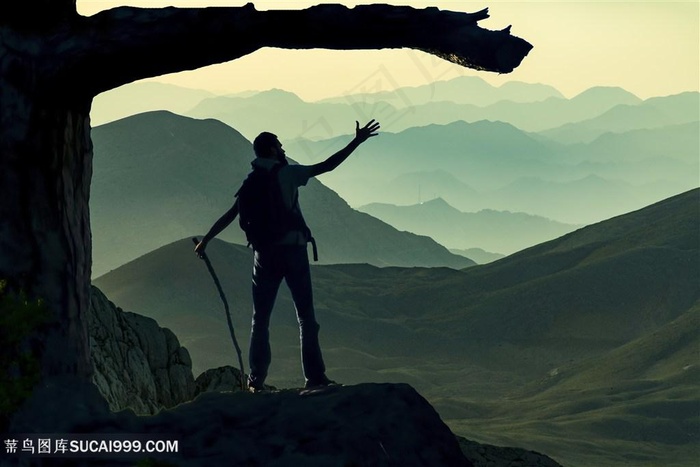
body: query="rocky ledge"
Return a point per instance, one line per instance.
(367, 424)
(144, 384)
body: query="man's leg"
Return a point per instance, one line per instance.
(298, 277)
(267, 276)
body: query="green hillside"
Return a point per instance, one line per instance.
(582, 347)
(637, 405)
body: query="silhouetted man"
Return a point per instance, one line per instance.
(286, 256)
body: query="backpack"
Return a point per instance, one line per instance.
(262, 213)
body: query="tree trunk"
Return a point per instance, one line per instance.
(45, 242)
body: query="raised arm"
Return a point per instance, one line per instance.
(124, 44)
(361, 135)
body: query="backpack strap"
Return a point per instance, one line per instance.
(312, 240)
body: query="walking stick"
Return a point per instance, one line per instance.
(204, 256)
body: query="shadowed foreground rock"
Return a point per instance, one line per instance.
(222, 379)
(485, 455)
(367, 424)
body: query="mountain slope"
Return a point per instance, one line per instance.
(471, 340)
(577, 296)
(581, 201)
(159, 177)
(481, 154)
(637, 404)
(141, 97)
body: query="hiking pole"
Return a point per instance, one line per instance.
(204, 256)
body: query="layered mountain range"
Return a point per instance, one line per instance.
(159, 177)
(518, 147)
(494, 165)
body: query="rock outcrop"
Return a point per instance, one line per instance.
(141, 369)
(486, 455)
(363, 425)
(222, 379)
(137, 364)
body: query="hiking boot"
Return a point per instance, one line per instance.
(255, 387)
(320, 383)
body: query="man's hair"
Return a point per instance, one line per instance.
(262, 144)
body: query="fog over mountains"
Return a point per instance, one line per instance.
(494, 165)
(159, 177)
(462, 90)
(599, 154)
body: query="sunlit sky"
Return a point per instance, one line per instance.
(649, 48)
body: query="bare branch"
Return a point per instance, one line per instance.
(125, 44)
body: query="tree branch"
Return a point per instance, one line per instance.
(124, 44)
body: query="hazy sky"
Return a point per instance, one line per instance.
(648, 48)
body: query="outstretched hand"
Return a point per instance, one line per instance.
(367, 131)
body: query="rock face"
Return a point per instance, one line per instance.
(138, 364)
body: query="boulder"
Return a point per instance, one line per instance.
(137, 364)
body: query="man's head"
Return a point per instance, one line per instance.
(268, 146)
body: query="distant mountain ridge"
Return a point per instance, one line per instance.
(290, 117)
(479, 154)
(672, 142)
(644, 150)
(494, 165)
(159, 177)
(529, 106)
(652, 113)
(142, 97)
(498, 231)
(282, 113)
(460, 90)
